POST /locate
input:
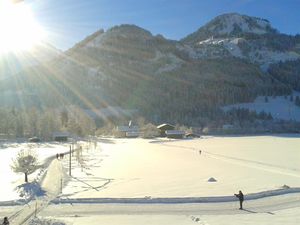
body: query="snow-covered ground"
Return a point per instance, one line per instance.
(138, 172)
(11, 180)
(250, 217)
(279, 107)
(137, 168)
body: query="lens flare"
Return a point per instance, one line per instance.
(18, 28)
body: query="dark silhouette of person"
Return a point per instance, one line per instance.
(61, 155)
(200, 151)
(240, 196)
(57, 155)
(5, 221)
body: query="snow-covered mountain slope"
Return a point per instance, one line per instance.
(245, 37)
(230, 24)
(280, 107)
(234, 22)
(239, 47)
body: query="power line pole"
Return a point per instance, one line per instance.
(70, 155)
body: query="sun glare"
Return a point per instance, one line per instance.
(18, 29)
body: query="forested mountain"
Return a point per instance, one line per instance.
(234, 58)
(16, 61)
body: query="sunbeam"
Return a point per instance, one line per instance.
(19, 29)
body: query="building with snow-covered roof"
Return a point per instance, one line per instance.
(128, 131)
(164, 127)
(60, 136)
(177, 134)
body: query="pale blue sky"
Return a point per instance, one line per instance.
(69, 21)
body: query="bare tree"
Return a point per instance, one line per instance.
(26, 162)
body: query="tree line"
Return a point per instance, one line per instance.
(25, 123)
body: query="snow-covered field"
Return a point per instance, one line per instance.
(135, 173)
(139, 168)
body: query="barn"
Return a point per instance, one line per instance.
(165, 127)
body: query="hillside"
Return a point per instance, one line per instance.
(245, 37)
(187, 81)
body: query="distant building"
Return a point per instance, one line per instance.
(60, 136)
(165, 127)
(132, 134)
(177, 134)
(128, 131)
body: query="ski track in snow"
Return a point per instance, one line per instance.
(245, 162)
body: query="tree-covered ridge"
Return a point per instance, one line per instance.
(163, 80)
(287, 72)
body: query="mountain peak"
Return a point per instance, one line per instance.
(234, 22)
(125, 31)
(129, 29)
(231, 24)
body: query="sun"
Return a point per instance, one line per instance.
(18, 28)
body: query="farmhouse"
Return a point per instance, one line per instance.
(165, 127)
(178, 134)
(128, 131)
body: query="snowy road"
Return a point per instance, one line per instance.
(263, 205)
(51, 184)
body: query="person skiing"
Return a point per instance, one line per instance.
(5, 221)
(240, 196)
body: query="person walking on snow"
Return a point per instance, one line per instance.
(5, 221)
(240, 196)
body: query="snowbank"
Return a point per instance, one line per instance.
(149, 200)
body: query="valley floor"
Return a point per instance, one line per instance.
(120, 178)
